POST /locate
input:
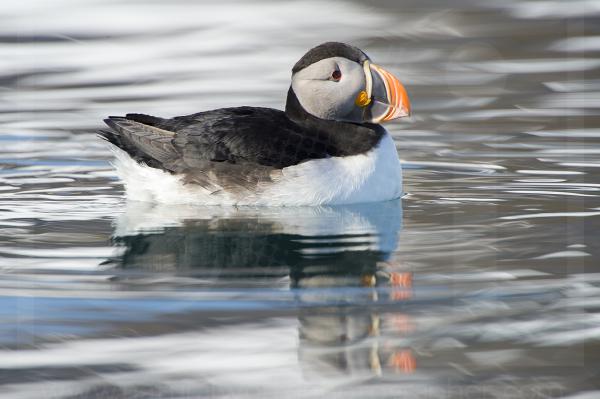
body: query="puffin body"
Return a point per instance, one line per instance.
(328, 147)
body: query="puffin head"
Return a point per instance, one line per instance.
(335, 81)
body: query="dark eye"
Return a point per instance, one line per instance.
(336, 75)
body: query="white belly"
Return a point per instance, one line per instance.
(373, 176)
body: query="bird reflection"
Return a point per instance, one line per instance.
(336, 258)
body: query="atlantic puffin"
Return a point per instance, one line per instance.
(327, 147)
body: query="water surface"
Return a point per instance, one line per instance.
(482, 281)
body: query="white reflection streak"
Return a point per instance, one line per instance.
(550, 172)
(454, 165)
(563, 254)
(550, 215)
(580, 164)
(577, 44)
(541, 192)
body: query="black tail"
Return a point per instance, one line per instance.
(112, 137)
(120, 141)
(143, 118)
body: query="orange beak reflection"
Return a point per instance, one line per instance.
(395, 104)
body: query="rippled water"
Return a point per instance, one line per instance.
(483, 281)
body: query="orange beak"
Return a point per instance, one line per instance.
(396, 104)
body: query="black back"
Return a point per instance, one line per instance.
(241, 135)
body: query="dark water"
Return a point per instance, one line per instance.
(482, 282)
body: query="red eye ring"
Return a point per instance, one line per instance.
(336, 75)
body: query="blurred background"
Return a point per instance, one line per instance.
(483, 281)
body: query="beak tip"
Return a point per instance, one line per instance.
(397, 97)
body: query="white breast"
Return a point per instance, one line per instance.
(373, 176)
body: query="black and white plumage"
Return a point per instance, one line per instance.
(324, 148)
